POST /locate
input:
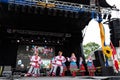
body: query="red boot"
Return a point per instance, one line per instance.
(28, 75)
(63, 74)
(53, 74)
(73, 73)
(82, 74)
(49, 74)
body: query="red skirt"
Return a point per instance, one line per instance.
(82, 68)
(91, 68)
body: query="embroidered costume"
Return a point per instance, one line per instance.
(59, 63)
(82, 67)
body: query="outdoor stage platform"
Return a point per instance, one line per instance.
(66, 78)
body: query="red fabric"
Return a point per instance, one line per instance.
(59, 60)
(36, 62)
(82, 68)
(63, 74)
(73, 73)
(113, 49)
(114, 53)
(91, 74)
(116, 65)
(53, 74)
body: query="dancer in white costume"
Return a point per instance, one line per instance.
(59, 63)
(53, 62)
(35, 62)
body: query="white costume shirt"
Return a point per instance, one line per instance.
(59, 60)
(35, 61)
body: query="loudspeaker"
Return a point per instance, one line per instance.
(107, 71)
(7, 72)
(115, 32)
(99, 58)
(100, 62)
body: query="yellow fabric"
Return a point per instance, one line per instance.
(106, 49)
(102, 34)
(1, 67)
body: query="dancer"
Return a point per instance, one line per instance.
(64, 69)
(59, 63)
(34, 65)
(52, 66)
(36, 50)
(73, 65)
(37, 60)
(90, 66)
(82, 67)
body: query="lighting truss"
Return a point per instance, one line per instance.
(61, 6)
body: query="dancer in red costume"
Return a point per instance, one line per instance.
(82, 67)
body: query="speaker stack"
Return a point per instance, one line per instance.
(99, 63)
(115, 32)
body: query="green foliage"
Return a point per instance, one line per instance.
(90, 47)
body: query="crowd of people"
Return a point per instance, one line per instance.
(59, 61)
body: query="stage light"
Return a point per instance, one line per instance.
(104, 16)
(99, 17)
(27, 48)
(45, 41)
(58, 41)
(18, 41)
(109, 16)
(32, 40)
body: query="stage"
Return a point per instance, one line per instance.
(23, 27)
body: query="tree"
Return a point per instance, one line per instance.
(90, 47)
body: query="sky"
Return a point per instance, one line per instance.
(114, 2)
(92, 31)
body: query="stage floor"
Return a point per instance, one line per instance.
(64, 78)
